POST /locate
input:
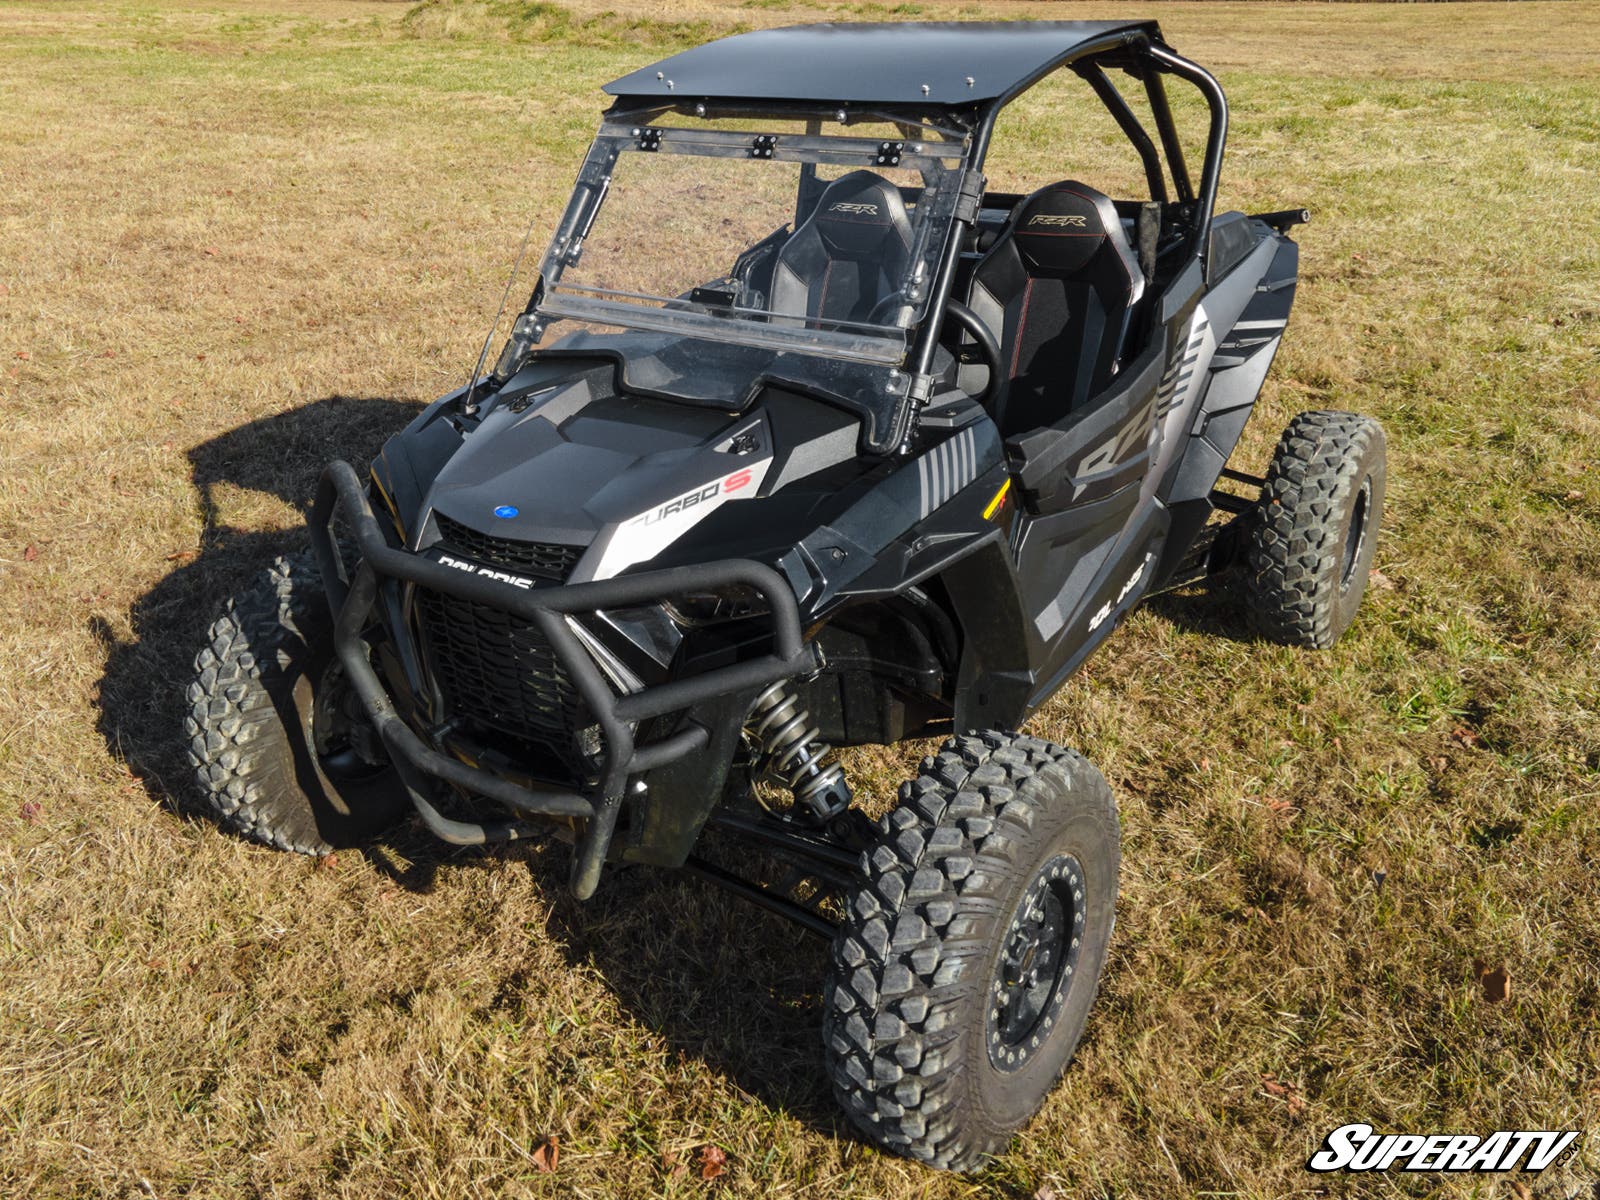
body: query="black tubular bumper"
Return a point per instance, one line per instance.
(353, 600)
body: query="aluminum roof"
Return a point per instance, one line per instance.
(941, 63)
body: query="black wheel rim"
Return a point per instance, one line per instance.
(1355, 540)
(347, 746)
(1037, 963)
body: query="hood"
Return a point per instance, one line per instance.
(620, 477)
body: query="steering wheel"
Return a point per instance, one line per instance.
(988, 348)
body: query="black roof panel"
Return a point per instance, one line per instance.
(866, 63)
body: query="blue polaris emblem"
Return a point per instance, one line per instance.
(506, 511)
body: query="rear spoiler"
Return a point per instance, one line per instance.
(1285, 220)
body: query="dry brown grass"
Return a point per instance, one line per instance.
(237, 239)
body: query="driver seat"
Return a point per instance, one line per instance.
(1058, 288)
(848, 255)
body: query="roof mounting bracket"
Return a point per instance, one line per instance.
(889, 153)
(649, 138)
(763, 145)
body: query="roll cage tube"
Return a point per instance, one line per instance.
(1165, 62)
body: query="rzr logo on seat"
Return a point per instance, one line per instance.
(739, 479)
(1071, 219)
(846, 206)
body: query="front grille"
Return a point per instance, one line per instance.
(497, 670)
(542, 560)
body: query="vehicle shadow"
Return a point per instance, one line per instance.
(1216, 607)
(721, 981)
(141, 694)
(734, 987)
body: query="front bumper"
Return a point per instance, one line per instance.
(353, 599)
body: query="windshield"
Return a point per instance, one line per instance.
(815, 251)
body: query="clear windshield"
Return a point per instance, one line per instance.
(798, 242)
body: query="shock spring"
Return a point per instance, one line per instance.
(793, 751)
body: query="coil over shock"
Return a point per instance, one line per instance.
(792, 751)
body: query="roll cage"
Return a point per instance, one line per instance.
(950, 81)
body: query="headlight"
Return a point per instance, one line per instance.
(733, 603)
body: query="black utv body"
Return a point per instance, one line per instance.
(806, 439)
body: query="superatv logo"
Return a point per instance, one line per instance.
(1361, 1148)
(863, 210)
(719, 487)
(1068, 220)
(516, 581)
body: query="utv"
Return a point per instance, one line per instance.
(806, 439)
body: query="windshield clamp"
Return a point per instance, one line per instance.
(970, 198)
(763, 145)
(889, 153)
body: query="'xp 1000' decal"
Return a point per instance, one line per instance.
(652, 531)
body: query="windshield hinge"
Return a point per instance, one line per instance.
(970, 198)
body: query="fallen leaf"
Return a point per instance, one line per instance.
(1045, 1192)
(24, 355)
(5, 289)
(1205, 763)
(547, 1153)
(1287, 1092)
(1439, 763)
(328, 862)
(1465, 736)
(675, 1165)
(31, 811)
(1521, 1190)
(1379, 580)
(1575, 497)
(1495, 981)
(210, 251)
(713, 1161)
(31, 553)
(180, 556)
(108, 354)
(200, 358)
(1282, 807)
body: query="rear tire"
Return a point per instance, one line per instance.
(281, 751)
(1315, 533)
(967, 961)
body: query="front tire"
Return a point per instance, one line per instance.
(1316, 530)
(281, 751)
(966, 964)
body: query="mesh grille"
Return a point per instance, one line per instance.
(495, 669)
(542, 560)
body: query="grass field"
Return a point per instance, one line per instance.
(238, 238)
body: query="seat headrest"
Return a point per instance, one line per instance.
(1061, 227)
(858, 213)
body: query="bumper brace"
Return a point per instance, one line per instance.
(354, 598)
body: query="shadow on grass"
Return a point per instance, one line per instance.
(722, 982)
(738, 989)
(1215, 607)
(141, 694)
